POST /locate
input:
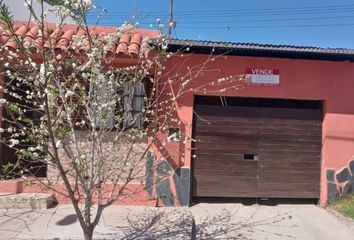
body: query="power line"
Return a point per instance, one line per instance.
(222, 16)
(257, 26)
(270, 20)
(230, 14)
(276, 26)
(193, 12)
(228, 18)
(259, 20)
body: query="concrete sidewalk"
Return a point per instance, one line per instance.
(118, 222)
(202, 221)
(278, 222)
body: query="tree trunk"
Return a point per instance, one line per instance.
(88, 233)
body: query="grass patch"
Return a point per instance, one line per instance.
(344, 206)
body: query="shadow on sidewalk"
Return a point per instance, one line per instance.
(180, 224)
(203, 222)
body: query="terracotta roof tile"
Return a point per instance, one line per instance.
(123, 44)
(132, 43)
(65, 39)
(20, 32)
(31, 35)
(144, 44)
(53, 38)
(5, 35)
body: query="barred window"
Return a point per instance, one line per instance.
(133, 104)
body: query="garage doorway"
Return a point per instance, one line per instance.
(256, 148)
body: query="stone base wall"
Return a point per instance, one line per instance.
(170, 186)
(341, 182)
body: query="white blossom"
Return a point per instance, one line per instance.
(58, 143)
(69, 93)
(2, 101)
(13, 142)
(31, 149)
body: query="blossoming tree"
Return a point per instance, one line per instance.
(76, 110)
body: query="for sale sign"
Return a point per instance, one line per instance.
(262, 76)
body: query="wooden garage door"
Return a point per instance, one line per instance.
(257, 152)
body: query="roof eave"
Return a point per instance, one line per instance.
(261, 52)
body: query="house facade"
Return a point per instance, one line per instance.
(285, 131)
(288, 133)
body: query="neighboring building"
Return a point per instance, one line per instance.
(289, 133)
(21, 13)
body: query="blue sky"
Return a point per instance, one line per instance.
(324, 23)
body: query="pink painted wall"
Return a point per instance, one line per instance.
(332, 82)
